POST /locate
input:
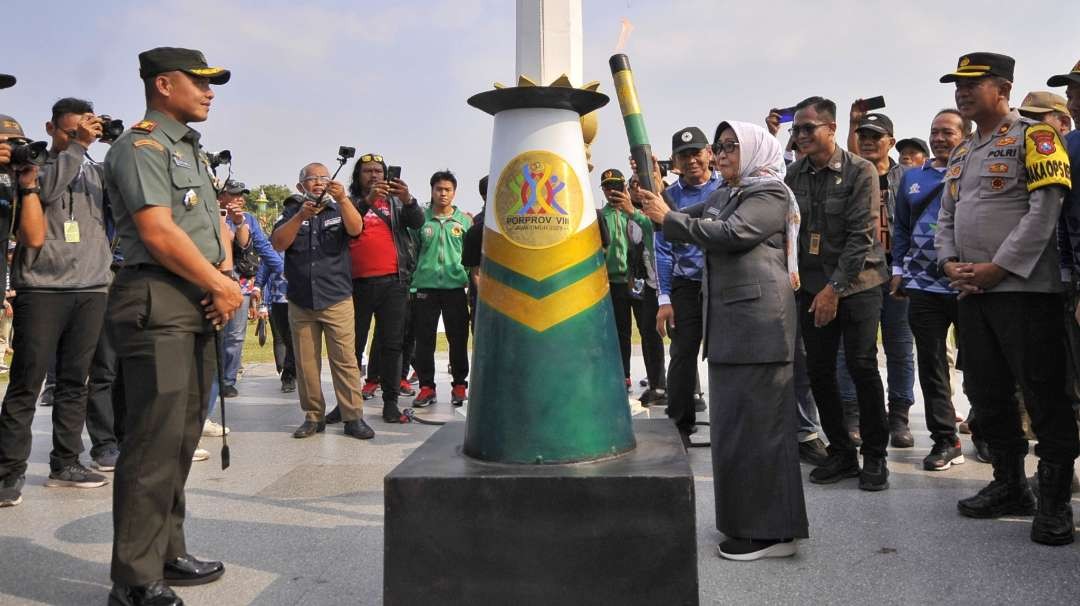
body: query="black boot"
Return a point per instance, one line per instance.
(899, 433)
(1007, 494)
(1053, 524)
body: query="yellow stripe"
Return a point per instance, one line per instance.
(969, 68)
(542, 314)
(627, 94)
(540, 264)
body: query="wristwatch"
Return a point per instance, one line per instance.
(29, 190)
(941, 264)
(836, 286)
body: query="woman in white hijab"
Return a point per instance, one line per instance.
(748, 230)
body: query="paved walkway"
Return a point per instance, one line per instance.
(300, 522)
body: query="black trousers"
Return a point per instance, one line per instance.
(103, 398)
(408, 346)
(61, 326)
(1017, 337)
(930, 315)
(283, 348)
(384, 298)
(168, 359)
(644, 312)
(1072, 349)
(682, 378)
(856, 324)
(452, 304)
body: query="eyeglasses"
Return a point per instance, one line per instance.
(371, 158)
(727, 147)
(320, 179)
(806, 129)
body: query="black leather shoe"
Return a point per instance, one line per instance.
(186, 571)
(230, 391)
(874, 475)
(153, 594)
(359, 429)
(334, 416)
(288, 385)
(839, 465)
(391, 413)
(308, 429)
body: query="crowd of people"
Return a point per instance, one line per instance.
(779, 266)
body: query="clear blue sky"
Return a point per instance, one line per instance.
(392, 77)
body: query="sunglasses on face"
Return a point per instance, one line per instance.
(725, 146)
(805, 129)
(371, 158)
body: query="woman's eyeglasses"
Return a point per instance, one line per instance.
(727, 147)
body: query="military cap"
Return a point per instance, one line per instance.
(1043, 102)
(6, 81)
(613, 177)
(690, 137)
(232, 186)
(167, 59)
(975, 65)
(913, 142)
(879, 123)
(1073, 77)
(10, 127)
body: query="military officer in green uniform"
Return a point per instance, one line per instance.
(163, 308)
(996, 241)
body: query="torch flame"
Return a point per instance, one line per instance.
(625, 29)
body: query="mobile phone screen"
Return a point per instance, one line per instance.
(393, 172)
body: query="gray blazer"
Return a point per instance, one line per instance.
(749, 304)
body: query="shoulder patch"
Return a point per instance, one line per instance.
(149, 142)
(146, 126)
(1045, 158)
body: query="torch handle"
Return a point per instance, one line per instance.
(626, 91)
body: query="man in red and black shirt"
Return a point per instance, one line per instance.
(382, 264)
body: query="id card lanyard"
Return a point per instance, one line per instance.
(71, 226)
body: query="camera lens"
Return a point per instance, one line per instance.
(35, 153)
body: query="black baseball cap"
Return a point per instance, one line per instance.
(1073, 77)
(613, 177)
(976, 65)
(168, 59)
(689, 137)
(6, 81)
(913, 142)
(879, 123)
(234, 187)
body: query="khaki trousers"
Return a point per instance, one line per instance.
(308, 328)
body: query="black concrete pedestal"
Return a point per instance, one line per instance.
(621, 531)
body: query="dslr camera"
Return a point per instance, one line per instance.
(222, 157)
(111, 129)
(25, 152)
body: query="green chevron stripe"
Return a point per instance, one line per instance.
(538, 289)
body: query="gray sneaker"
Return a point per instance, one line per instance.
(75, 476)
(11, 490)
(106, 461)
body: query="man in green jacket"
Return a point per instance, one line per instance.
(632, 278)
(439, 282)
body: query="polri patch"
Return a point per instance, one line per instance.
(999, 168)
(1002, 142)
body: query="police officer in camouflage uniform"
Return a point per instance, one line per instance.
(996, 241)
(163, 308)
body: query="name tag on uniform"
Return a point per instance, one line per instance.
(815, 244)
(334, 221)
(71, 232)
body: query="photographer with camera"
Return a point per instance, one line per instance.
(315, 230)
(62, 282)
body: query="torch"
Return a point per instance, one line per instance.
(626, 91)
